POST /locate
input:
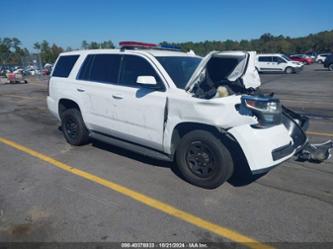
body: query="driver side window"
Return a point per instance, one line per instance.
(278, 59)
(133, 66)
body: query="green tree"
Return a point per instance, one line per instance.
(11, 51)
(267, 43)
(84, 45)
(48, 53)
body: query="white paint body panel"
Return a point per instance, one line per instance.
(258, 144)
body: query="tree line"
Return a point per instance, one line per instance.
(12, 52)
(267, 43)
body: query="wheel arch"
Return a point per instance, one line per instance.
(183, 128)
(289, 67)
(65, 104)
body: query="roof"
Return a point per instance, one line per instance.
(153, 52)
(276, 54)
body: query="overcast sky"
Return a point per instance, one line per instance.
(67, 22)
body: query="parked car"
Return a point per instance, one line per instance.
(16, 77)
(198, 112)
(301, 58)
(322, 57)
(328, 63)
(277, 63)
(311, 54)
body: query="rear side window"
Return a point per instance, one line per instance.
(265, 58)
(65, 65)
(84, 73)
(100, 68)
(134, 66)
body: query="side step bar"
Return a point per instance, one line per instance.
(130, 146)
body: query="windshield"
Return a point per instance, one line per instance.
(285, 57)
(179, 68)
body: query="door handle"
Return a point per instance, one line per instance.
(80, 90)
(117, 97)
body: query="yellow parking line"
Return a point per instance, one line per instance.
(324, 134)
(149, 201)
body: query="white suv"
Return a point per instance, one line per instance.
(198, 112)
(321, 58)
(277, 63)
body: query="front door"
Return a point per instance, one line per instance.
(139, 110)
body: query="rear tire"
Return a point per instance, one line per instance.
(330, 67)
(73, 127)
(289, 70)
(203, 159)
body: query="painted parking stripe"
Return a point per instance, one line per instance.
(149, 201)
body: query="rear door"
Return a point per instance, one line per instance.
(139, 110)
(96, 80)
(265, 63)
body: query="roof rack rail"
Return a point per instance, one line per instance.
(169, 47)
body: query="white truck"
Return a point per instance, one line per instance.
(277, 63)
(179, 107)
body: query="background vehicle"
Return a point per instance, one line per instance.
(277, 63)
(328, 63)
(301, 58)
(322, 57)
(311, 54)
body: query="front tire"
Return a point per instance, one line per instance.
(289, 70)
(203, 159)
(73, 127)
(330, 67)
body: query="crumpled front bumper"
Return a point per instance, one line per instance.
(297, 125)
(267, 147)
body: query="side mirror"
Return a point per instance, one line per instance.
(146, 80)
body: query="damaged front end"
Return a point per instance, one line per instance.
(277, 134)
(305, 151)
(269, 112)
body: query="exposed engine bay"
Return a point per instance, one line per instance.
(214, 82)
(224, 74)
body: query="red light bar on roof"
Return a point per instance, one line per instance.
(134, 44)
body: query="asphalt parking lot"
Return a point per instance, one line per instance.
(85, 195)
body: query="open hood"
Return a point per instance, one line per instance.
(232, 66)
